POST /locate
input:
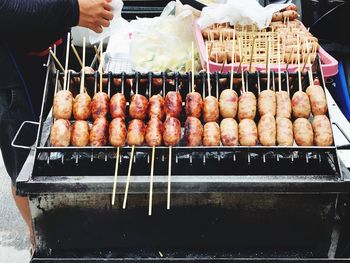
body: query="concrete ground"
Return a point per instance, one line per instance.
(14, 240)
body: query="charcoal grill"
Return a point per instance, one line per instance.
(243, 203)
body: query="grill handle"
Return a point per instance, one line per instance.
(344, 146)
(13, 143)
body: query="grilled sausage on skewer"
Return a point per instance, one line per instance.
(172, 131)
(283, 105)
(117, 106)
(301, 105)
(193, 132)
(154, 131)
(100, 105)
(284, 129)
(194, 104)
(210, 109)
(267, 130)
(267, 102)
(211, 134)
(247, 106)
(247, 132)
(117, 132)
(136, 132)
(80, 133)
(63, 105)
(82, 106)
(228, 103)
(322, 131)
(229, 132)
(173, 104)
(156, 107)
(303, 133)
(98, 132)
(60, 133)
(138, 107)
(317, 100)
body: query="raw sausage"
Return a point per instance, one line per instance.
(267, 102)
(247, 106)
(229, 132)
(284, 128)
(247, 132)
(267, 130)
(283, 105)
(301, 105)
(317, 100)
(303, 133)
(322, 131)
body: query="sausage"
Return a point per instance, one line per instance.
(267, 130)
(80, 133)
(228, 103)
(173, 104)
(301, 105)
(292, 7)
(284, 128)
(267, 102)
(277, 16)
(136, 132)
(98, 132)
(154, 131)
(156, 107)
(317, 100)
(82, 106)
(194, 104)
(138, 107)
(322, 131)
(303, 133)
(291, 14)
(117, 132)
(117, 106)
(171, 131)
(60, 133)
(100, 105)
(210, 109)
(63, 104)
(229, 132)
(193, 132)
(247, 106)
(283, 105)
(247, 132)
(211, 134)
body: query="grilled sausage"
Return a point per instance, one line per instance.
(136, 132)
(247, 132)
(211, 134)
(138, 107)
(228, 103)
(60, 133)
(283, 105)
(322, 131)
(80, 133)
(247, 106)
(63, 104)
(193, 132)
(210, 109)
(82, 106)
(303, 133)
(290, 14)
(277, 16)
(173, 104)
(172, 131)
(98, 132)
(156, 107)
(117, 106)
(284, 128)
(267, 130)
(229, 132)
(117, 132)
(292, 7)
(317, 100)
(267, 102)
(154, 131)
(194, 104)
(301, 105)
(100, 105)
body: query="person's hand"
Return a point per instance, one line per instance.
(95, 14)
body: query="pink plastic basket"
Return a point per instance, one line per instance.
(329, 64)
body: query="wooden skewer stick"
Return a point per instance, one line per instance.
(97, 54)
(169, 177)
(56, 60)
(77, 55)
(66, 64)
(243, 84)
(311, 80)
(268, 66)
(208, 72)
(100, 68)
(193, 66)
(267, 52)
(233, 57)
(251, 53)
(115, 176)
(298, 57)
(279, 62)
(82, 86)
(307, 60)
(289, 59)
(151, 182)
(128, 177)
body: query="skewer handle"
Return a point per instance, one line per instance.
(57, 61)
(151, 182)
(115, 176)
(128, 178)
(77, 55)
(169, 177)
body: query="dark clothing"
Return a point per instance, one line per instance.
(26, 26)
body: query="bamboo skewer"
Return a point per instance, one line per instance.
(128, 177)
(193, 66)
(289, 59)
(115, 176)
(151, 182)
(233, 55)
(56, 60)
(309, 62)
(82, 86)
(208, 72)
(97, 54)
(169, 177)
(279, 62)
(251, 54)
(100, 68)
(77, 55)
(268, 65)
(66, 64)
(298, 55)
